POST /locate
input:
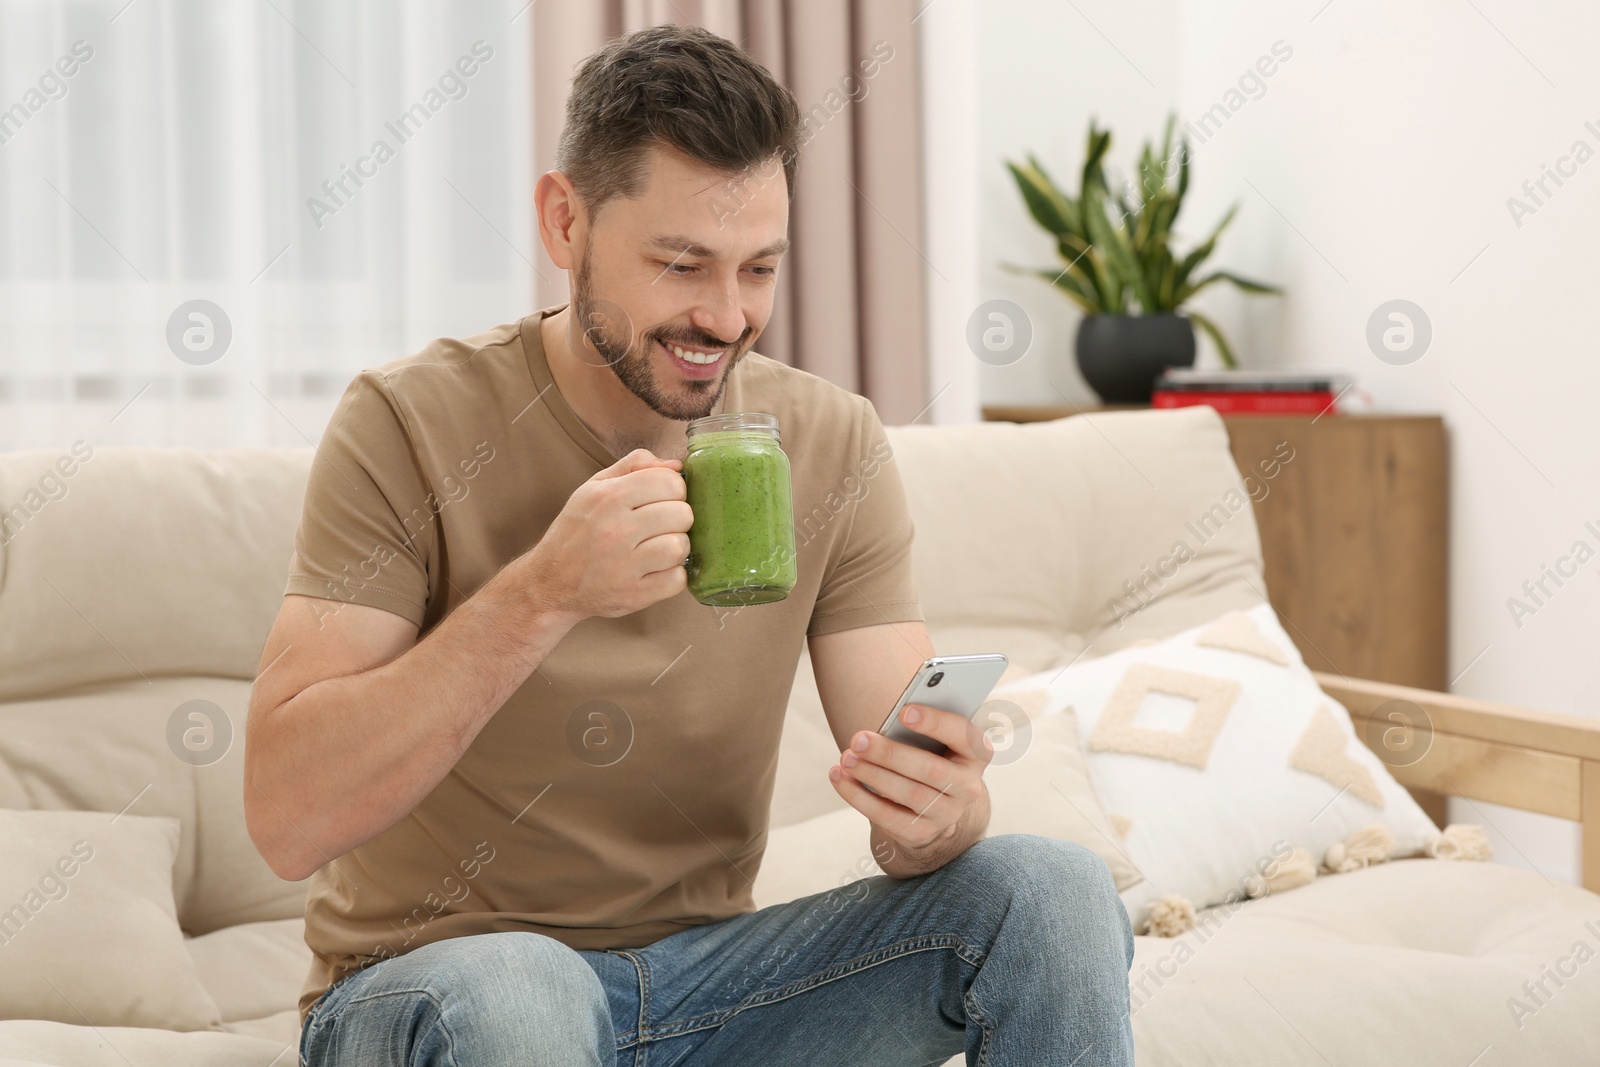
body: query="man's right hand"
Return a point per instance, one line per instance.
(618, 544)
(352, 694)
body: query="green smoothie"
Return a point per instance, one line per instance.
(741, 546)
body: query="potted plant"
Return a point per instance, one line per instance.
(1126, 274)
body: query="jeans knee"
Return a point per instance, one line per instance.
(526, 965)
(507, 994)
(1028, 860)
(1064, 889)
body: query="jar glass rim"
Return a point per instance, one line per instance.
(760, 421)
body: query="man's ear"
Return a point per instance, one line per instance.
(562, 219)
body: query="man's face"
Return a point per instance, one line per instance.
(685, 271)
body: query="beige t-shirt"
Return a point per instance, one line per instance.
(621, 794)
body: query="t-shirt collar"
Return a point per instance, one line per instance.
(550, 394)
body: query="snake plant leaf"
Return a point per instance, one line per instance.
(1143, 228)
(1155, 221)
(1160, 268)
(1114, 242)
(1151, 178)
(1126, 212)
(1062, 280)
(1242, 283)
(1198, 254)
(1216, 336)
(1071, 246)
(1155, 169)
(1093, 160)
(1067, 283)
(1167, 287)
(1079, 258)
(1163, 215)
(1185, 292)
(1074, 221)
(1049, 208)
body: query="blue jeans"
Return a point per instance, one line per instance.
(1016, 952)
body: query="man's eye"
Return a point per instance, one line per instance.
(764, 272)
(678, 269)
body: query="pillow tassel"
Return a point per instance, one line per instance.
(1171, 916)
(1295, 871)
(1461, 841)
(1369, 845)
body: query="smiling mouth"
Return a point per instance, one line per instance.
(694, 362)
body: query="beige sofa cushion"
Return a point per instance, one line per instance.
(150, 561)
(31, 1043)
(1025, 534)
(107, 748)
(89, 933)
(253, 970)
(1412, 962)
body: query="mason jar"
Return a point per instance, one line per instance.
(741, 546)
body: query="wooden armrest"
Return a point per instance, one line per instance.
(1533, 760)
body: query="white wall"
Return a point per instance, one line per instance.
(1376, 165)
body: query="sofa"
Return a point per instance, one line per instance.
(137, 587)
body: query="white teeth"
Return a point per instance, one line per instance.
(694, 357)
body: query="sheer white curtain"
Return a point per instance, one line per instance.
(343, 180)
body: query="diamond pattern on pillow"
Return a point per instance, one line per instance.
(1213, 697)
(1321, 751)
(1236, 632)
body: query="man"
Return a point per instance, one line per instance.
(529, 774)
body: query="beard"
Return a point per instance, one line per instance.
(609, 330)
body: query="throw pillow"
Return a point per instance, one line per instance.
(88, 929)
(1219, 754)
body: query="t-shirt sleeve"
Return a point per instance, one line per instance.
(367, 525)
(869, 580)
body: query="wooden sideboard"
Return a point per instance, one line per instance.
(1355, 535)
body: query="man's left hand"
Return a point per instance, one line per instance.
(927, 803)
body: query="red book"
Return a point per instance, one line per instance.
(1277, 403)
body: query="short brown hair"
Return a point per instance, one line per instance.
(680, 86)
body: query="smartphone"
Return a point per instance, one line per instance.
(959, 684)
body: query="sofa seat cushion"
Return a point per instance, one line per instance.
(281, 1027)
(253, 970)
(34, 1043)
(1416, 961)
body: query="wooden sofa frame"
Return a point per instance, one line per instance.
(1531, 760)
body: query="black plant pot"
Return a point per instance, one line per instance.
(1121, 356)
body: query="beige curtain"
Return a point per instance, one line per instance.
(850, 302)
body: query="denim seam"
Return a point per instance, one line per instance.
(630, 1036)
(976, 1012)
(922, 943)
